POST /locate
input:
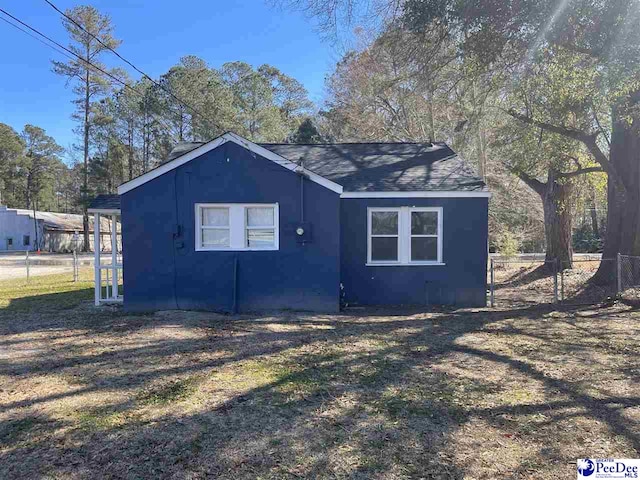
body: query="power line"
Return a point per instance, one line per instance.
(17, 27)
(66, 52)
(158, 84)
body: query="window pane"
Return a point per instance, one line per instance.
(424, 249)
(215, 217)
(424, 223)
(384, 248)
(215, 237)
(259, 216)
(384, 223)
(260, 238)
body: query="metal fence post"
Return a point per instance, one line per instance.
(75, 266)
(555, 280)
(619, 274)
(27, 264)
(492, 295)
(561, 282)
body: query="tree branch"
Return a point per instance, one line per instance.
(559, 129)
(533, 183)
(588, 139)
(602, 130)
(580, 171)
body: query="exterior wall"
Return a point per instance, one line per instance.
(15, 226)
(162, 270)
(461, 281)
(62, 242)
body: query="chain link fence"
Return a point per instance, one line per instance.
(522, 281)
(26, 266)
(629, 277)
(587, 280)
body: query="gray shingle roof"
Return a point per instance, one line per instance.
(55, 221)
(182, 148)
(378, 167)
(106, 202)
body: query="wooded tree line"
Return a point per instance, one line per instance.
(542, 95)
(126, 127)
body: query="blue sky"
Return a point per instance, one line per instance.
(154, 34)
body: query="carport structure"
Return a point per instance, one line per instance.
(108, 263)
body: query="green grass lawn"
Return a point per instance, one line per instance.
(48, 291)
(90, 392)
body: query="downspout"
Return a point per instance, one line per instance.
(301, 194)
(234, 306)
(176, 235)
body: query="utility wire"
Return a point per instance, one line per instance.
(17, 27)
(158, 84)
(66, 52)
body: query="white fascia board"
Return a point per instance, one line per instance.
(417, 194)
(167, 167)
(280, 160)
(227, 137)
(105, 211)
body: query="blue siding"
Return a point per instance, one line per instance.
(461, 281)
(163, 272)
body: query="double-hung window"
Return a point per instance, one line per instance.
(260, 227)
(215, 227)
(236, 226)
(404, 236)
(384, 235)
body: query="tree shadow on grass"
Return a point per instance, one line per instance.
(369, 393)
(48, 302)
(526, 275)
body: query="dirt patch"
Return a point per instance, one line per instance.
(505, 393)
(520, 283)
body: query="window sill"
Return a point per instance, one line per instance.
(413, 264)
(237, 249)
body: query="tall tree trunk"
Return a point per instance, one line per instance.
(130, 148)
(558, 221)
(35, 226)
(27, 193)
(145, 145)
(85, 186)
(593, 212)
(558, 216)
(623, 196)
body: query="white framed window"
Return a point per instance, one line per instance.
(384, 235)
(236, 226)
(404, 236)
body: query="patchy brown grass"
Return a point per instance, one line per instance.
(517, 393)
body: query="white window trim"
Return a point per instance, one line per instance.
(404, 237)
(237, 227)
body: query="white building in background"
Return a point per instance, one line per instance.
(55, 231)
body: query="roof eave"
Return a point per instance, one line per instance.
(418, 194)
(104, 211)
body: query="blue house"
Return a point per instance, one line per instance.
(231, 225)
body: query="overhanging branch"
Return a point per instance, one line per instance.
(588, 139)
(533, 183)
(580, 171)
